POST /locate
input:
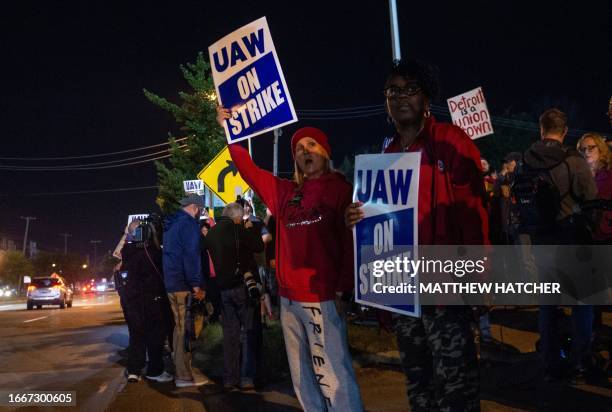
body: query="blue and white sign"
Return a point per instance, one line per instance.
(387, 238)
(249, 81)
(193, 186)
(141, 216)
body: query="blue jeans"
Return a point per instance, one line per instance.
(582, 327)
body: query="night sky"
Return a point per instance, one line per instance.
(73, 74)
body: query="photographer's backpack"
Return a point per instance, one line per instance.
(536, 198)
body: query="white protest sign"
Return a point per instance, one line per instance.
(249, 81)
(469, 112)
(141, 216)
(194, 186)
(388, 185)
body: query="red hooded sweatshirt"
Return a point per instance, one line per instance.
(451, 187)
(314, 249)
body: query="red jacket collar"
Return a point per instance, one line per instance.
(424, 135)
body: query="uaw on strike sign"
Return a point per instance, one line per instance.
(388, 185)
(249, 81)
(469, 112)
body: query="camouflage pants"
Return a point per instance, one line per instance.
(439, 359)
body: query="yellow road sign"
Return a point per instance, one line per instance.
(222, 177)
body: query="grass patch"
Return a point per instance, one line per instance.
(208, 352)
(208, 349)
(370, 339)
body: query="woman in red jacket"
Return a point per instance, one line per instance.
(437, 350)
(314, 258)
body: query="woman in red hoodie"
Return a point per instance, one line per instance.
(315, 268)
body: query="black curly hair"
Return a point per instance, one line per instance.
(424, 73)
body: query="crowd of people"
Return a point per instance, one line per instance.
(300, 257)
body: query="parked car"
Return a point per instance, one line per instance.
(7, 292)
(50, 290)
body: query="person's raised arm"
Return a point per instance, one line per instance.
(264, 183)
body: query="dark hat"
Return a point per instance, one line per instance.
(313, 132)
(516, 156)
(192, 199)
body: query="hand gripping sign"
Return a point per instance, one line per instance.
(388, 185)
(249, 81)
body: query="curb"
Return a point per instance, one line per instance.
(380, 358)
(106, 398)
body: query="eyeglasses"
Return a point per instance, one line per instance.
(393, 92)
(587, 148)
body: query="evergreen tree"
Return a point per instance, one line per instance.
(13, 266)
(196, 117)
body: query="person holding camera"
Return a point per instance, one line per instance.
(183, 277)
(231, 244)
(144, 299)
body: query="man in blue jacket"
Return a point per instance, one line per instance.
(182, 276)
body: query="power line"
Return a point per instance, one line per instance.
(341, 109)
(73, 167)
(78, 192)
(93, 155)
(51, 169)
(357, 116)
(343, 113)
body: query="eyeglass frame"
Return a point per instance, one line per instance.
(588, 148)
(403, 91)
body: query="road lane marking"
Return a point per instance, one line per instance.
(86, 307)
(32, 320)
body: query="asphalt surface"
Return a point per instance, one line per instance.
(76, 349)
(72, 349)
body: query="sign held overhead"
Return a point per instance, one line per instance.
(222, 177)
(249, 81)
(469, 111)
(193, 186)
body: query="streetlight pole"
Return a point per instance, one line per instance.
(277, 134)
(395, 40)
(66, 236)
(25, 236)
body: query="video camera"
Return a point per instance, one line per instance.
(149, 231)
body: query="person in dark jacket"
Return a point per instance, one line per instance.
(571, 176)
(183, 276)
(208, 273)
(146, 306)
(231, 244)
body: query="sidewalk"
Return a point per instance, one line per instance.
(511, 378)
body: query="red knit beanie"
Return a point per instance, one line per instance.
(314, 133)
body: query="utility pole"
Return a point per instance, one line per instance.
(66, 236)
(277, 133)
(25, 236)
(250, 192)
(395, 40)
(95, 261)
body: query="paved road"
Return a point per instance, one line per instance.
(73, 349)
